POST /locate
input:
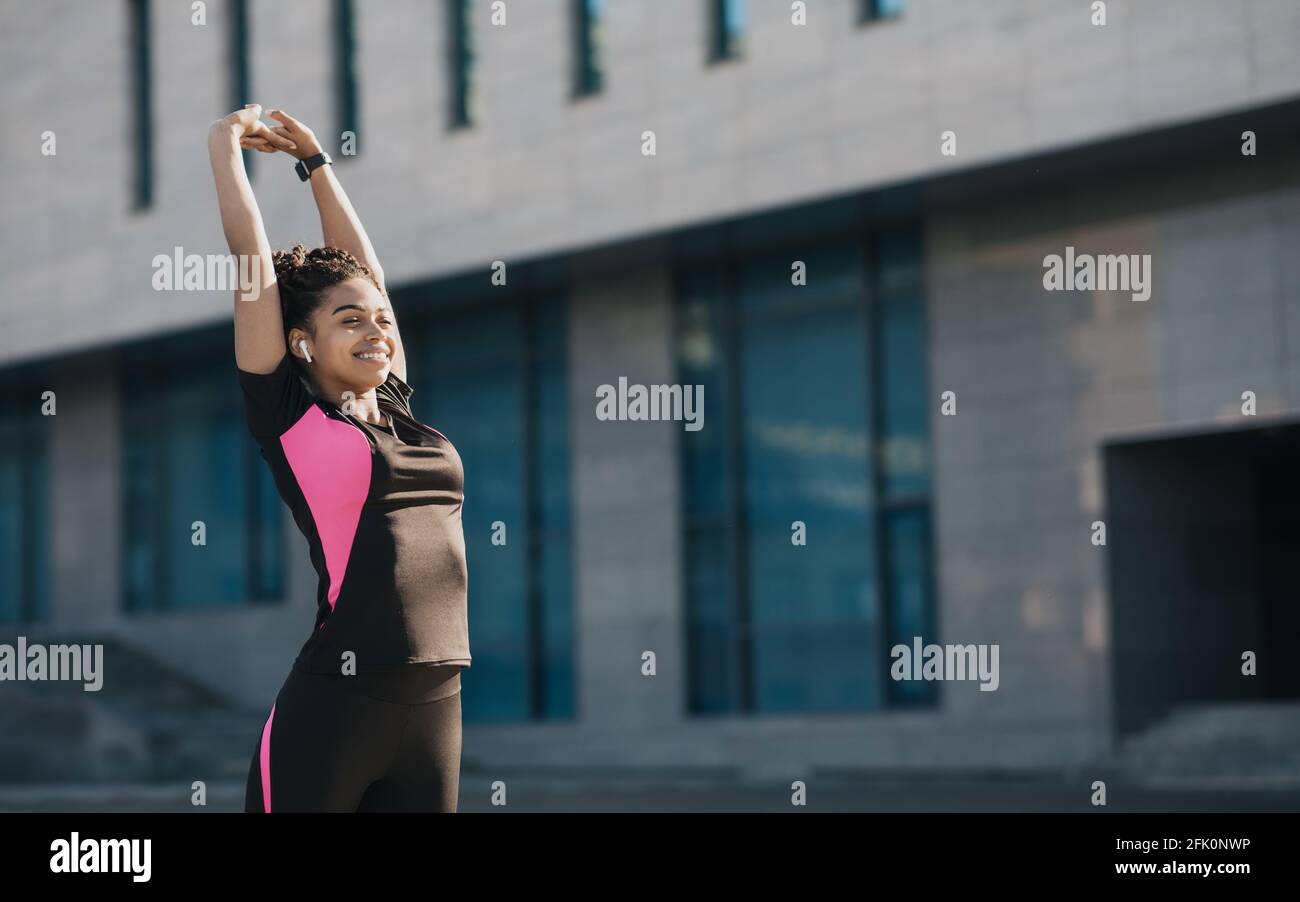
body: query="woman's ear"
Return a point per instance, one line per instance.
(299, 346)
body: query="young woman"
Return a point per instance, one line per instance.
(369, 717)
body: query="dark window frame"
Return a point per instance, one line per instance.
(724, 44)
(589, 70)
(460, 56)
(347, 112)
(241, 77)
(141, 81)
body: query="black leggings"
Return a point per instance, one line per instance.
(386, 741)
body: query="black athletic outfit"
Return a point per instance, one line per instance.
(369, 716)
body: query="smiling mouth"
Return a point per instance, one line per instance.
(381, 356)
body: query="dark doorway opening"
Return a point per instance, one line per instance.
(1203, 550)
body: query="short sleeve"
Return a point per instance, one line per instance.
(274, 401)
(396, 392)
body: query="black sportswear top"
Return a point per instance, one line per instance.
(380, 507)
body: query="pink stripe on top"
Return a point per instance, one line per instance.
(331, 461)
(266, 762)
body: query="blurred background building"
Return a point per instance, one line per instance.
(774, 144)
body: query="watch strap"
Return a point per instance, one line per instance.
(309, 165)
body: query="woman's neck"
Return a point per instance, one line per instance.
(363, 406)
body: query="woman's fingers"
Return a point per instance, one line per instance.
(257, 135)
(256, 142)
(262, 146)
(284, 118)
(249, 115)
(279, 142)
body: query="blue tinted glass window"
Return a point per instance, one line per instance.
(881, 9)
(24, 509)
(904, 444)
(204, 483)
(806, 414)
(733, 16)
(728, 28)
(473, 384)
(714, 633)
(589, 72)
(707, 499)
(13, 523)
(826, 425)
(907, 543)
(701, 362)
(141, 106)
(551, 508)
(463, 99)
(345, 74)
(187, 459)
(241, 76)
(492, 378)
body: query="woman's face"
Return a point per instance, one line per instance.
(355, 338)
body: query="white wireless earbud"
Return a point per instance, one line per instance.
(302, 343)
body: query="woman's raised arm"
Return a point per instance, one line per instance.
(340, 225)
(259, 328)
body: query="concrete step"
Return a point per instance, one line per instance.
(1243, 740)
(148, 723)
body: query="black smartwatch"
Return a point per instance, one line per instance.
(309, 165)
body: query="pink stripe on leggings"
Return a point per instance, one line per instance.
(266, 762)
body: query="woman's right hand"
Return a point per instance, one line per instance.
(245, 123)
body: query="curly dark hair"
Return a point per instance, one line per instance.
(303, 276)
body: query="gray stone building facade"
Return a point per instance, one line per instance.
(1117, 138)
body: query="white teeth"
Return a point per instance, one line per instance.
(372, 355)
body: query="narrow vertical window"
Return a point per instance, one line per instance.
(241, 78)
(24, 505)
(461, 57)
(494, 382)
(728, 28)
(589, 77)
(141, 106)
(902, 488)
(345, 89)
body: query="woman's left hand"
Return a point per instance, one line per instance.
(259, 136)
(303, 138)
